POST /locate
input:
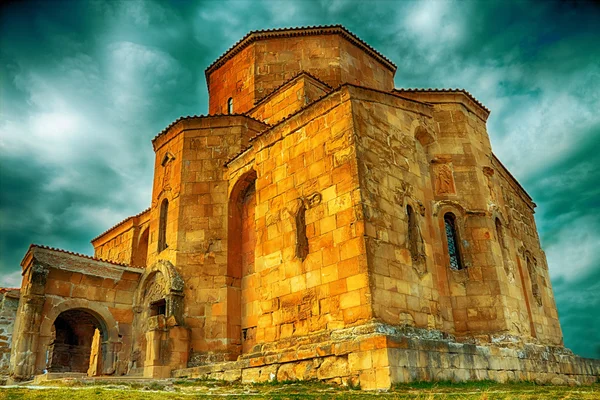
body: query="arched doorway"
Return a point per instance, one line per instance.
(76, 345)
(240, 264)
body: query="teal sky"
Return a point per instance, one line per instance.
(85, 86)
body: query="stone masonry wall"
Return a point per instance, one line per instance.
(122, 242)
(264, 65)
(233, 79)
(9, 302)
(331, 58)
(197, 221)
(395, 174)
(515, 209)
(288, 99)
(311, 153)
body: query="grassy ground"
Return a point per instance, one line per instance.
(201, 389)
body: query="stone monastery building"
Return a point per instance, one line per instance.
(317, 224)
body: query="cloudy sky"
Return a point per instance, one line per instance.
(85, 86)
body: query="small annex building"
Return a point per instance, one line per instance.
(318, 223)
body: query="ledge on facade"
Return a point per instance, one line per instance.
(112, 228)
(70, 260)
(482, 111)
(180, 120)
(253, 36)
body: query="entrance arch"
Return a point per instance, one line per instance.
(68, 335)
(76, 344)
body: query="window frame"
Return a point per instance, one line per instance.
(162, 225)
(451, 229)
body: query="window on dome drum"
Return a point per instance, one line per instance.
(162, 225)
(230, 106)
(452, 239)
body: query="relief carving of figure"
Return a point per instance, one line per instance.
(306, 203)
(444, 180)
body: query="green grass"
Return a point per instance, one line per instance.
(203, 389)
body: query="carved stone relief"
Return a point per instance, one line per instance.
(306, 203)
(155, 290)
(444, 179)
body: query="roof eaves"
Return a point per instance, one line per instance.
(189, 117)
(444, 90)
(39, 246)
(252, 36)
(119, 224)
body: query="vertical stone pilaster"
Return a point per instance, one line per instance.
(24, 354)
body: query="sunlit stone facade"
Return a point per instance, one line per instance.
(317, 224)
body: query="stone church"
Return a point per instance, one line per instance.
(318, 223)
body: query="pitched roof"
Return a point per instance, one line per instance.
(119, 223)
(39, 246)
(287, 82)
(253, 36)
(188, 117)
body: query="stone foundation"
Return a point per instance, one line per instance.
(376, 356)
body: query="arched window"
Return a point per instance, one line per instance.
(452, 239)
(230, 106)
(162, 225)
(503, 248)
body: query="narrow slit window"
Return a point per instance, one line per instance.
(412, 233)
(452, 239)
(230, 106)
(503, 248)
(162, 226)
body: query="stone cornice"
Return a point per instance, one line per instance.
(449, 96)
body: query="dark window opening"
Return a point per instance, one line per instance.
(452, 239)
(158, 308)
(503, 248)
(412, 233)
(162, 226)
(230, 106)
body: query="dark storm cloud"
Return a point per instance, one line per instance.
(87, 84)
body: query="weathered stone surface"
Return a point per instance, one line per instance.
(318, 224)
(333, 367)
